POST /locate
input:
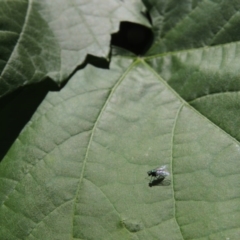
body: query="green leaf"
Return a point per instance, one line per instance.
(42, 38)
(202, 75)
(78, 170)
(189, 24)
(91, 146)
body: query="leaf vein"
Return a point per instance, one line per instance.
(93, 131)
(171, 167)
(19, 39)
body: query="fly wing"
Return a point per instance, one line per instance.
(162, 171)
(162, 168)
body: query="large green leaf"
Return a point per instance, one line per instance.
(41, 38)
(78, 169)
(82, 161)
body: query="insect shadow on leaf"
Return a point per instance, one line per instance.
(160, 182)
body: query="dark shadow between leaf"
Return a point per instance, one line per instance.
(92, 60)
(17, 108)
(133, 37)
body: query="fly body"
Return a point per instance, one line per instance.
(157, 175)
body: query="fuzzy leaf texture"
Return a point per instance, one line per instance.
(78, 169)
(41, 38)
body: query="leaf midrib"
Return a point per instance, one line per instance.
(171, 167)
(92, 134)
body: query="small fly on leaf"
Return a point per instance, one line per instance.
(157, 175)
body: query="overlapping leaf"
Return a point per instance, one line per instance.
(42, 39)
(77, 170)
(206, 70)
(181, 25)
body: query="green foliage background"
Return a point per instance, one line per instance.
(77, 170)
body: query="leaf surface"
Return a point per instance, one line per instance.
(41, 38)
(91, 146)
(187, 24)
(200, 59)
(78, 169)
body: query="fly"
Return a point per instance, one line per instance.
(157, 175)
